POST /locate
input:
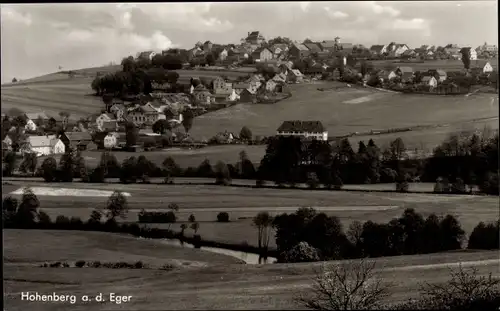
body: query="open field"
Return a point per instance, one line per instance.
(71, 246)
(349, 110)
(206, 201)
(224, 286)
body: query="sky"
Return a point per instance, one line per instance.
(38, 38)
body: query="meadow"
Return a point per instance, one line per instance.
(445, 64)
(216, 285)
(242, 204)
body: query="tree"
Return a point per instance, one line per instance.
(302, 252)
(347, 286)
(205, 169)
(131, 134)
(29, 163)
(161, 126)
(117, 205)
(187, 121)
(9, 208)
(245, 166)
(172, 77)
(171, 168)
(14, 80)
(264, 223)
(169, 114)
(210, 59)
(245, 134)
(222, 176)
(66, 167)
(397, 149)
(465, 57)
(49, 169)
(195, 226)
(27, 212)
(128, 64)
(10, 163)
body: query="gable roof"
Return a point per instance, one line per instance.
(296, 72)
(36, 115)
(313, 47)
(405, 69)
(377, 48)
(301, 47)
(346, 46)
(480, 63)
(77, 136)
(327, 44)
(42, 141)
(241, 85)
(427, 78)
(301, 126)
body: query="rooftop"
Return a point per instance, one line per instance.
(302, 126)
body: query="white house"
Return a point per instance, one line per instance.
(484, 65)
(303, 129)
(233, 96)
(430, 81)
(106, 121)
(111, 140)
(45, 145)
(223, 54)
(30, 125)
(144, 115)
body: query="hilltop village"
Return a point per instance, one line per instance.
(161, 93)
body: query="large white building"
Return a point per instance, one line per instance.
(303, 129)
(45, 145)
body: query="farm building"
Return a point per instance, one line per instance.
(295, 76)
(303, 129)
(221, 87)
(248, 96)
(45, 145)
(76, 140)
(143, 115)
(483, 65)
(299, 51)
(262, 55)
(430, 81)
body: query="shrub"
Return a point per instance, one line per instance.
(337, 182)
(466, 290)
(402, 184)
(485, 236)
(80, 264)
(259, 183)
(197, 240)
(167, 267)
(346, 286)
(139, 265)
(95, 264)
(44, 219)
(56, 264)
(302, 252)
(62, 221)
(312, 181)
(223, 217)
(49, 168)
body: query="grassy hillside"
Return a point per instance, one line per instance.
(223, 286)
(348, 110)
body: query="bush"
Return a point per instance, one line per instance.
(223, 217)
(485, 236)
(62, 221)
(80, 264)
(139, 265)
(302, 252)
(259, 183)
(466, 290)
(95, 264)
(346, 286)
(312, 181)
(167, 267)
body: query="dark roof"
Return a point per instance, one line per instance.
(313, 47)
(77, 136)
(302, 126)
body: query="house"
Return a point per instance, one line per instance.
(278, 49)
(233, 96)
(313, 47)
(468, 50)
(299, 51)
(485, 66)
(262, 54)
(7, 141)
(45, 145)
(248, 96)
(345, 47)
(439, 74)
(143, 115)
(328, 45)
(386, 76)
(76, 140)
(192, 53)
(39, 118)
(147, 55)
(223, 54)
(409, 53)
(303, 129)
(280, 77)
(403, 70)
(30, 125)
(119, 111)
(255, 38)
(202, 95)
(207, 46)
(378, 49)
(430, 81)
(396, 49)
(221, 87)
(270, 85)
(110, 141)
(295, 76)
(105, 120)
(239, 87)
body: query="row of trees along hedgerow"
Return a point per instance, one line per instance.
(307, 235)
(462, 159)
(460, 162)
(300, 237)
